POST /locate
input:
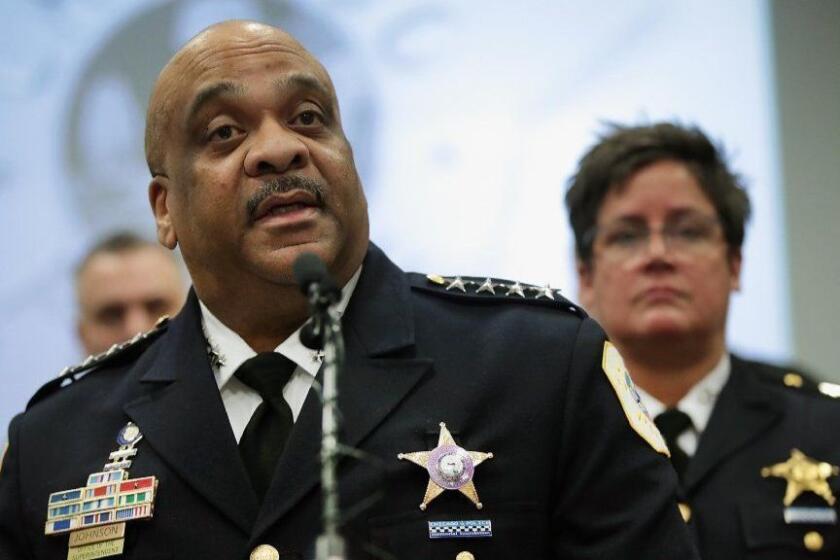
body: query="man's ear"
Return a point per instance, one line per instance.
(159, 191)
(585, 281)
(735, 270)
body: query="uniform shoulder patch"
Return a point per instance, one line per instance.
(114, 355)
(613, 366)
(478, 288)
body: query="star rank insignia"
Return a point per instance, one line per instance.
(450, 468)
(95, 515)
(457, 284)
(803, 474)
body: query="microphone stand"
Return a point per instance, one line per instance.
(326, 326)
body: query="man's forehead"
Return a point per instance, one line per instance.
(224, 49)
(216, 58)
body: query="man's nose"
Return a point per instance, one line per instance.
(275, 149)
(137, 320)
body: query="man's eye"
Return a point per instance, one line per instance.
(110, 315)
(308, 118)
(222, 133)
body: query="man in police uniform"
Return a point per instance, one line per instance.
(491, 419)
(659, 223)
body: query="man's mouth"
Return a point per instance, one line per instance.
(277, 210)
(286, 204)
(285, 196)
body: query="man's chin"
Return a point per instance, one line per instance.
(665, 323)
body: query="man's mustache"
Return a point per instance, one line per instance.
(284, 184)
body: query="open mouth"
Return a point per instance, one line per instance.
(287, 205)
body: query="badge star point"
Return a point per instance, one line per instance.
(450, 467)
(803, 474)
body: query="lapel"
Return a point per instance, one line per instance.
(381, 369)
(746, 408)
(183, 419)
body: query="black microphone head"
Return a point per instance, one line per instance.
(309, 269)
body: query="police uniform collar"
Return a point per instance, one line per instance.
(700, 400)
(231, 350)
(379, 316)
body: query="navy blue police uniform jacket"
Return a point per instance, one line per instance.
(516, 376)
(762, 414)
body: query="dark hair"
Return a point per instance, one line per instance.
(623, 150)
(118, 242)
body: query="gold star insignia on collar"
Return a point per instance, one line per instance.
(803, 474)
(450, 468)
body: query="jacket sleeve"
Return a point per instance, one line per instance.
(616, 496)
(12, 539)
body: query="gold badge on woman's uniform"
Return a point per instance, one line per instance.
(95, 515)
(450, 467)
(804, 474)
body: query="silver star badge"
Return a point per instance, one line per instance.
(515, 288)
(456, 284)
(487, 286)
(545, 292)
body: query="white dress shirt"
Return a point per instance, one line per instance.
(241, 401)
(697, 403)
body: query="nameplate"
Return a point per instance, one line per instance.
(97, 534)
(816, 515)
(460, 529)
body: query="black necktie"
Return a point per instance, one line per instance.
(672, 423)
(266, 433)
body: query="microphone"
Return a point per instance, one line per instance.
(323, 331)
(313, 279)
(315, 282)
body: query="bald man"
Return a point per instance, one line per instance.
(124, 285)
(491, 419)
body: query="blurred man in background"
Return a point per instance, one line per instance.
(658, 219)
(124, 285)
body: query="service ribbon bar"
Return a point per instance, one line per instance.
(109, 497)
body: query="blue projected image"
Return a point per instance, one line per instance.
(466, 123)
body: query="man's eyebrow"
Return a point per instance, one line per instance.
(305, 82)
(309, 82)
(211, 92)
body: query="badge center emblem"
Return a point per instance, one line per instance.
(450, 467)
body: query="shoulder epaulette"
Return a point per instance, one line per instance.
(806, 384)
(492, 288)
(114, 355)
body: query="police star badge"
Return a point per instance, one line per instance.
(804, 474)
(450, 467)
(95, 514)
